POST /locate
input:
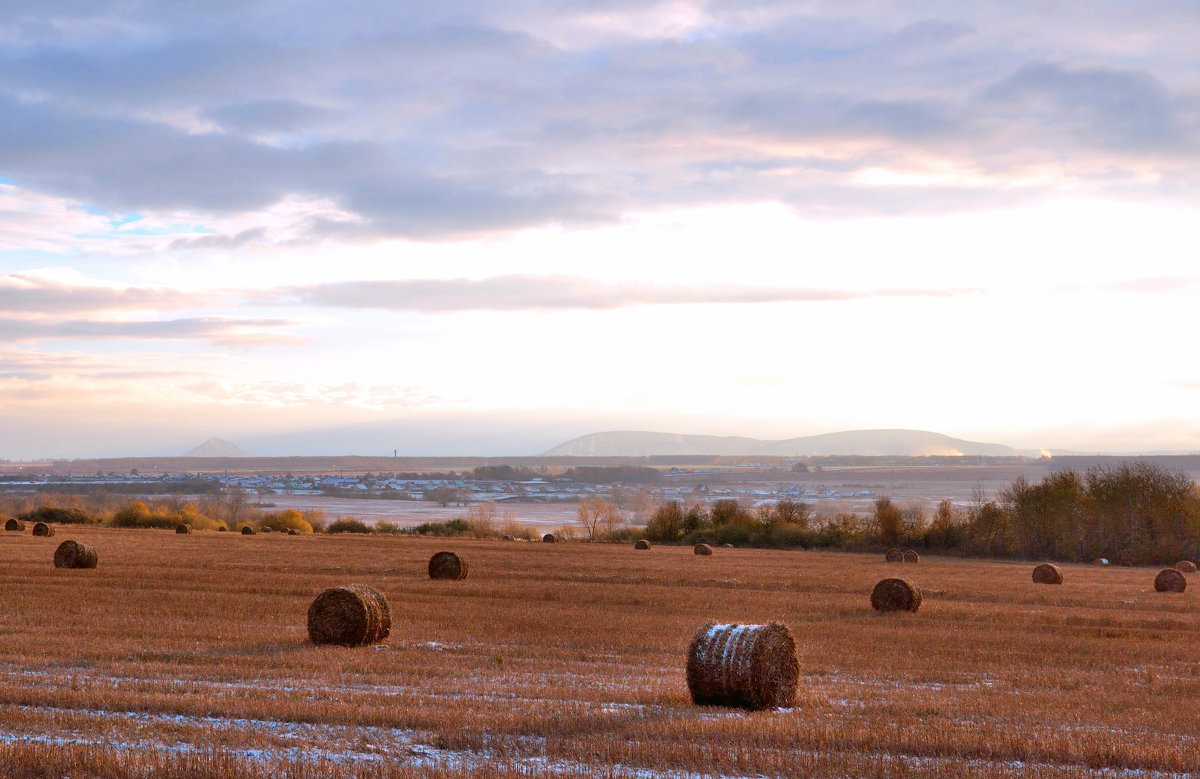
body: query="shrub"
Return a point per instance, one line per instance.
(61, 515)
(348, 525)
(282, 521)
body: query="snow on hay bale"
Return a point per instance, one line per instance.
(549, 538)
(1047, 574)
(354, 615)
(1169, 580)
(42, 529)
(447, 565)
(748, 666)
(702, 549)
(893, 556)
(895, 595)
(1100, 561)
(911, 556)
(14, 524)
(642, 544)
(1185, 566)
(182, 529)
(72, 554)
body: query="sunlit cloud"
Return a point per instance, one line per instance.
(216, 330)
(545, 293)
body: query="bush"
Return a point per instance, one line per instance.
(454, 527)
(60, 514)
(283, 521)
(348, 525)
(138, 514)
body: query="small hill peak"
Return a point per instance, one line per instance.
(217, 447)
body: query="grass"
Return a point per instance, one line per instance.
(187, 655)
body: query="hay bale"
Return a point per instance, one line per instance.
(727, 546)
(911, 556)
(748, 666)
(72, 554)
(354, 615)
(447, 565)
(549, 538)
(893, 556)
(1185, 566)
(222, 529)
(247, 531)
(266, 529)
(642, 544)
(702, 549)
(15, 524)
(1100, 561)
(293, 531)
(508, 538)
(895, 595)
(182, 529)
(1169, 580)
(44, 530)
(1047, 574)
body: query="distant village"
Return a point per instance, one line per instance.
(445, 488)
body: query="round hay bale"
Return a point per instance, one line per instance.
(447, 565)
(72, 554)
(642, 544)
(508, 538)
(895, 595)
(702, 549)
(293, 531)
(266, 529)
(1047, 574)
(15, 524)
(727, 546)
(182, 529)
(549, 538)
(893, 556)
(354, 615)
(1169, 580)
(1100, 561)
(247, 531)
(1185, 566)
(911, 556)
(222, 529)
(748, 666)
(42, 529)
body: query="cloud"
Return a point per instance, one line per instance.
(438, 121)
(30, 293)
(548, 293)
(217, 330)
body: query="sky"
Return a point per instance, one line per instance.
(484, 228)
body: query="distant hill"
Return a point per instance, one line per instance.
(217, 447)
(900, 443)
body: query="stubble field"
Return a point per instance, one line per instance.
(187, 656)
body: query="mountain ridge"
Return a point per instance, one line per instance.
(883, 442)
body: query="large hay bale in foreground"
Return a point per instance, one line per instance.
(911, 556)
(748, 666)
(354, 615)
(72, 554)
(182, 529)
(549, 538)
(702, 549)
(247, 531)
(1169, 580)
(893, 556)
(895, 595)
(447, 565)
(44, 530)
(1047, 574)
(642, 544)
(1185, 566)
(14, 524)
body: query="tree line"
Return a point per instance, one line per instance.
(1133, 513)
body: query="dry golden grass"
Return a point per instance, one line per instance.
(187, 655)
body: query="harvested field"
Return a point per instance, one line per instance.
(188, 655)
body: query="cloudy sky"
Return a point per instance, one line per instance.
(526, 221)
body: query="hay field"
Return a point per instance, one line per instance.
(187, 656)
